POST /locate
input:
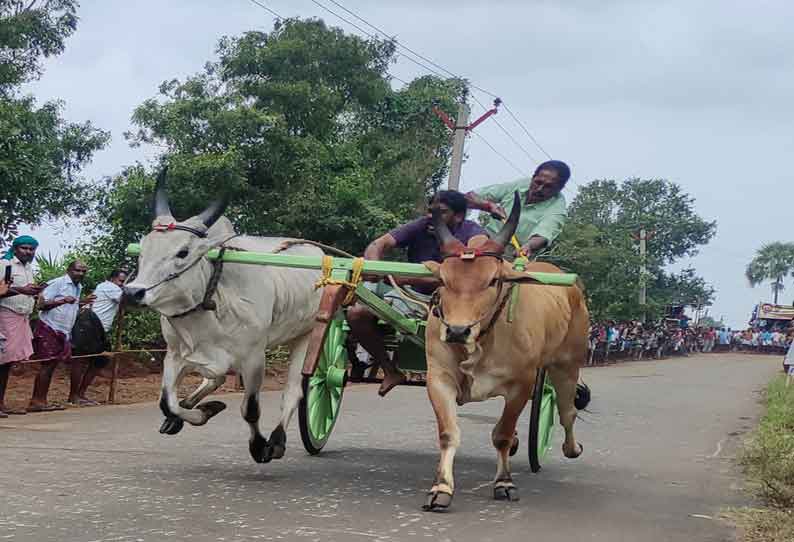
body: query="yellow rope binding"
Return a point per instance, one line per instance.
(355, 278)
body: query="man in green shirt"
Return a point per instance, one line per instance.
(543, 210)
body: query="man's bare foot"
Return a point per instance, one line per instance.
(44, 407)
(391, 379)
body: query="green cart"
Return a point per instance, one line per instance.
(325, 368)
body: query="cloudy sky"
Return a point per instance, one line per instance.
(695, 92)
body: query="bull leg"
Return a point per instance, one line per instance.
(291, 396)
(502, 438)
(207, 386)
(443, 391)
(175, 414)
(564, 381)
(253, 372)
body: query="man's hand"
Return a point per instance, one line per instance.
(3, 287)
(68, 300)
(496, 211)
(30, 289)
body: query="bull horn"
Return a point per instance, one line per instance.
(161, 207)
(440, 228)
(212, 213)
(509, 228)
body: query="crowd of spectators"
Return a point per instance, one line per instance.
(612, 340)
(68, 323)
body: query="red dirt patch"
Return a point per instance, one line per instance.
(137, 383)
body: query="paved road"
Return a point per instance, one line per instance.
(659, 446)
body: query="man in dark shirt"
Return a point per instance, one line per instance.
(420, 241)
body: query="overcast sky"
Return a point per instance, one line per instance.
(698, 94)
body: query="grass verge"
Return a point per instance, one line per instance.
(768, 459)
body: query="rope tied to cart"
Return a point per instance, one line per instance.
(355, 277)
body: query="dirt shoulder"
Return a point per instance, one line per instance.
(137, 383)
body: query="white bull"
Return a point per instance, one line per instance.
(255, 307)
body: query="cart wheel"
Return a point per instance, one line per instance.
(322, 391)
(541, 420)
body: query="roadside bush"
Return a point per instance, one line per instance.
(769, 455)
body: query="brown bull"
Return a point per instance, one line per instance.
(474, 353)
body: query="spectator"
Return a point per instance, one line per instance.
(91, 334)
(52, 332)
(16, 306)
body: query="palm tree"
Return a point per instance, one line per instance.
(774, 262)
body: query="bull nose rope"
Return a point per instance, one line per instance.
(355, 278)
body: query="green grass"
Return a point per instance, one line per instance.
(769, 455)
(768, 458)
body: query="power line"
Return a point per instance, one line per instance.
(413, 52)
(526, 131)
(267, 9)
(261, 5)
(431, 70)
(354, 25)
(443, 69)
(508, 134)
(502, 156)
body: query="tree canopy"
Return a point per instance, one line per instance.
(772, 262)
(41, 155)
(301, 125)
(598, 242)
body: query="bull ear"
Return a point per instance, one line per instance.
(509, 228)
(161, 206)
(433, 267)
(212, 213)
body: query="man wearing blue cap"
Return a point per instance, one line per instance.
(543, 209)
(16, 305)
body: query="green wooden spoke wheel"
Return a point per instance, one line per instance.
(541, 420)
(322, 391)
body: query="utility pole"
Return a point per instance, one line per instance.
(461, 128)
(643, 270)
(643, 273)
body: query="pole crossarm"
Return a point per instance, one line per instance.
(370, 267)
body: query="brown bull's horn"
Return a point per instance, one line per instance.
(212, 213)
(441, 230)
(509, 228)
(161, 207)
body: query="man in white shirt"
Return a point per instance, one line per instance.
(91, 334)
(16, 305)
(53, 330)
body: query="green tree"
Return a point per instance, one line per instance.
(29, 31)
(302, 126)
(773, 262)
(598, 243)
(41, 155)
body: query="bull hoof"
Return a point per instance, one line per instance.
(260, 449)
(514, 447)
(172, 425)
(573, 454)
(506, 493)
(437, 501)
(278, 442)
(211, 408)
(582, 398)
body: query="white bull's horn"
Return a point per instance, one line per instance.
(161, 207)
(509, 228)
